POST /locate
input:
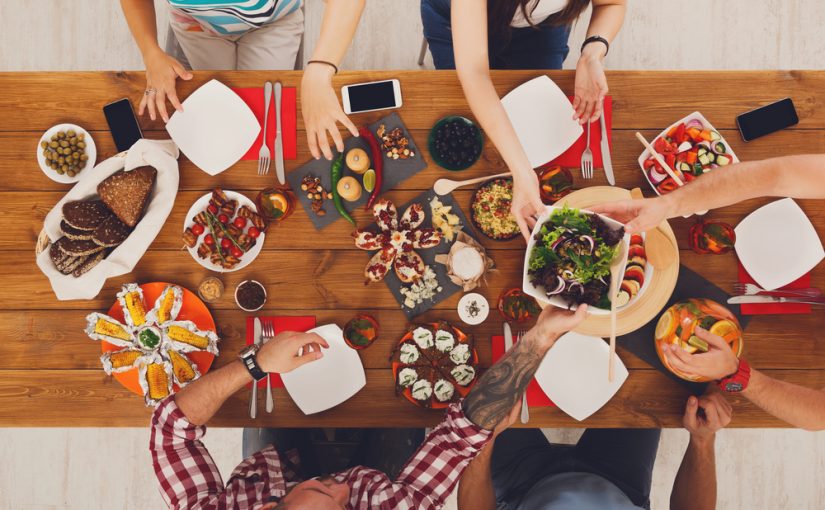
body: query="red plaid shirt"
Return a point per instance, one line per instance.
(189, 478)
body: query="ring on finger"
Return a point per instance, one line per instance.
(150, 91)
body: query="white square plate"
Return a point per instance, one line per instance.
(215, 129)
(574, 375)
(777, 244)
(543, 119)
(329, 381)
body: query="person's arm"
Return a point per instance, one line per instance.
(319, 104)
(475, 490)
(695, 485)
(800, 406)
(800, 176)
(161, 69)
(187, 474)
(591, 83)
(469, 26)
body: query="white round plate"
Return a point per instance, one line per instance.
(91, 151)
(464, 305)
(199, 205)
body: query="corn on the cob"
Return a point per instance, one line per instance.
(111, 329)
(183, 335)
(157, 381)
(124, 358)
(182, 367)
(135, 308)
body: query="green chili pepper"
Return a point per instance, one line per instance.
(336, 170)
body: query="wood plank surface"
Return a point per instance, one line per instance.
(50, 371)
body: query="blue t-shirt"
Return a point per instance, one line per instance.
(575, 491)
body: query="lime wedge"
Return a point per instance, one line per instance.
(697, 342)
(369, 180)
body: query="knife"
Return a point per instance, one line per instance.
(279, 142)
(606, 162)
(741, 300)
(508, 337)
(525, 412)
(253, 403)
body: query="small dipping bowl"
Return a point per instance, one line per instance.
(248, 297)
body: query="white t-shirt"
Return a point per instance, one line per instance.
(538, 10)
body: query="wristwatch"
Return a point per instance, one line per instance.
(247, 356)
(737, 381)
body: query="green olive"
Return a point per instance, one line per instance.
(70, 133)
(84, 157)
(44, 144)
(53, 144)
(75, 155)
(61, 135)
(82, 145)
(81, 136)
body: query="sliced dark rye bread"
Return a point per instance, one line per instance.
(75, 234)
(85, 214)
(78, 248)
(126, 193)
(111, 233)
(90, 262)
(63, 262)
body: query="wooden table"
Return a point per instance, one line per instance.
(50, 373)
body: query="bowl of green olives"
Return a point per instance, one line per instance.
(65, 151)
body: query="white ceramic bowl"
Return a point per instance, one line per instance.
(91, 151)
(239, 303)
(539, 292)
(693, 116)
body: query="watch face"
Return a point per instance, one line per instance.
(733, 387)
(249, 349)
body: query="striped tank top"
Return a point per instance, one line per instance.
(231, 17)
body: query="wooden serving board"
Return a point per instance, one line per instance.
(641, 310)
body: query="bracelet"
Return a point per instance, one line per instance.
(324, 62)
(596, 38)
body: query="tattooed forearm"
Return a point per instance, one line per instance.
(498, 390)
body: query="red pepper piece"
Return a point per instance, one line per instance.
(377, 163)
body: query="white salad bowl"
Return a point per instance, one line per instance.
(540, 293)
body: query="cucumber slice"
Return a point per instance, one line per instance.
(714, 135)
(697, 342)
(704, 160)
(723, 160)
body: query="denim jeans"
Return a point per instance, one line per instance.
(625, 457)
(525, 48)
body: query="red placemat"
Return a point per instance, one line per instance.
(282, 324)
(572, 157)
(535, 395)
(776, 308)
(254, 97)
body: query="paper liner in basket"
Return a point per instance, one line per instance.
(160, 154)
(464, 242)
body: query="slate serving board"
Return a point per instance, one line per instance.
(689, 285)
(395, 172)
(448, 287)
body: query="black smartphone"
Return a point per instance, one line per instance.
(767, 119)
(122, 123)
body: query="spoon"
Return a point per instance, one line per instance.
(660, 250)
(446, 186)
(615, 276)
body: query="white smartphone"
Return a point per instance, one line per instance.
(368, 97)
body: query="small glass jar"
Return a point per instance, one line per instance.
(554, 183)
(210, 289)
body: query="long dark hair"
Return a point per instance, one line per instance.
(500, 14)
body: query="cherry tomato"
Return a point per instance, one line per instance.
(225, 243)
(239, 222)
(209, 240)
(236, 252)
(197, 229)
(223, 218)
(253, 232)
(212, 209)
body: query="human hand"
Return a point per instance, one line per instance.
(590, 85)
(161, 73)
(321, 111)
(720, 360)
(553, 323)
(526, 204)
(706, 415)
(637, 215)
(281, 353)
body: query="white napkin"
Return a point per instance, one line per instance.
(160, 154)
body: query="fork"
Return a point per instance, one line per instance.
(268, 331)
(264, 155)
(750, 289)
(587, 157)
(525, 413)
